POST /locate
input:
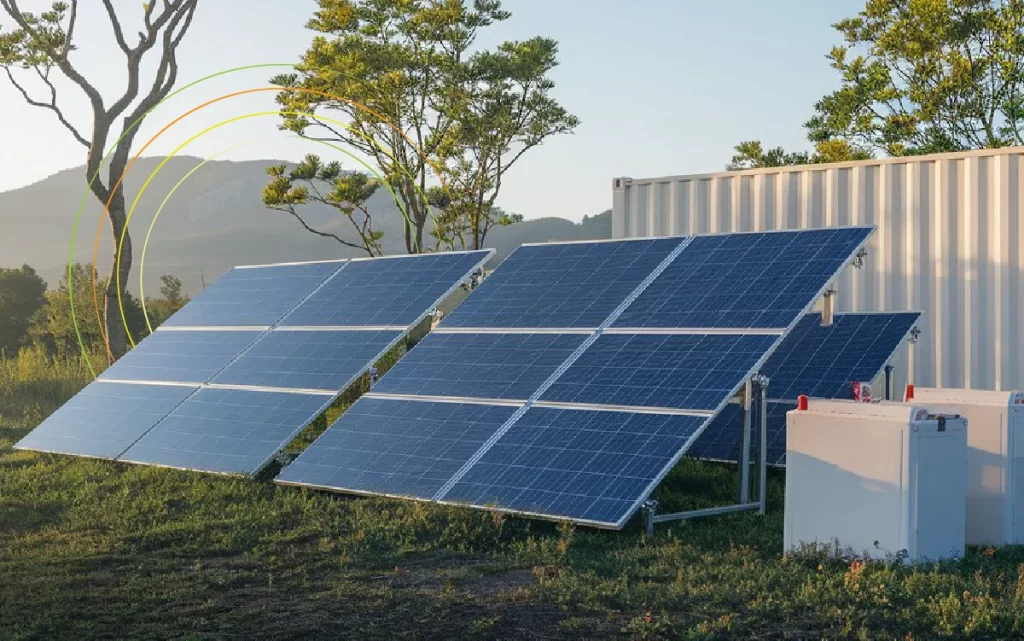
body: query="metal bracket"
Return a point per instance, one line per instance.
(915, 334)
(858, 260)
(650, 506)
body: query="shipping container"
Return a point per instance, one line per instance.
(948, 242)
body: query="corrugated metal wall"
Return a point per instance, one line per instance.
(948, 243)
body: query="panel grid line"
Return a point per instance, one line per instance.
(590, 340)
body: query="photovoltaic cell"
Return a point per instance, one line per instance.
(750, 280)
(104, 419)
(252, 296)
(307, 359)
(584, 465)
(498, 366)
(385, 291)
(226, 431)
(395, 447)
(560, 285)
(815, 361)
(192, 356)
(682, 371)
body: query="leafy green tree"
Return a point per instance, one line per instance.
(927, 76)
(42, 44)
(409, 81)
(752, 155)
(53, 327)
(313, 181)
(172, 299)
(22, 294)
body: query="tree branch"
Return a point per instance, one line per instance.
(116, 24)
(291, 210)
(52, 105)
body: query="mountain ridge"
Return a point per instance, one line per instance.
(213, 221)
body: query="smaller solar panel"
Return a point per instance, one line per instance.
(815, 360)
(252, 296)
(561, 285)
(307, 359)
(104, 419)
(580, 464)
(192, 356)
(820, 361)
(499, 366)
(682, 371)
(748, 280)
(227, 431)
(394, 291)
(396, 447)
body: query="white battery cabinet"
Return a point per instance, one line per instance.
(879, 478)
(995, 456)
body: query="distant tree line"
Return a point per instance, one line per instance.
(33, 315)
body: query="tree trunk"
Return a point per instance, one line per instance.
(117, 336)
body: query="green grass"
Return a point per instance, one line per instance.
(91, 549)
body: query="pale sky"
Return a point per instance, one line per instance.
(662, 87)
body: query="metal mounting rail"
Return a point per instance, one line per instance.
(650, 507)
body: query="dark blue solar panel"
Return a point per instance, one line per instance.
(192, 356)
(505, 366)
(824, 361)
(579, 464)
(815, 361)
(406, 448)
(227, 431)
(385, 291)
(723, 438)
(756, 280)
(252, 295)
(561, 285)
(690, 371)
(307, 359)
(104, 419)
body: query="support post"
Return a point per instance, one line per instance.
(762, 486)
(649, 507)
(748, 394)
(888, 382)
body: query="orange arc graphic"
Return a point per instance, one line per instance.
(113, 191)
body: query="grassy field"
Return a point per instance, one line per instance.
(91, 549)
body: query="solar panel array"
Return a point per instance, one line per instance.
(577, 374)
(813, 360)
(234, 375)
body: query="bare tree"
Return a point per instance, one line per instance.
(41, 44)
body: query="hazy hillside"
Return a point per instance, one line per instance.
(213, 221)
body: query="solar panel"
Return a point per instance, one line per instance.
(585, 465)
(496, 366)
(262, 385)
(814, 360)
(637, 390)
(253, 296)
(393, 291)
(684, 371)
(313, 360)
(192, 356)
(226, 431)
(753, 280)
(823, 361)
(396, 447)
(561, 285)
(104, 419)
